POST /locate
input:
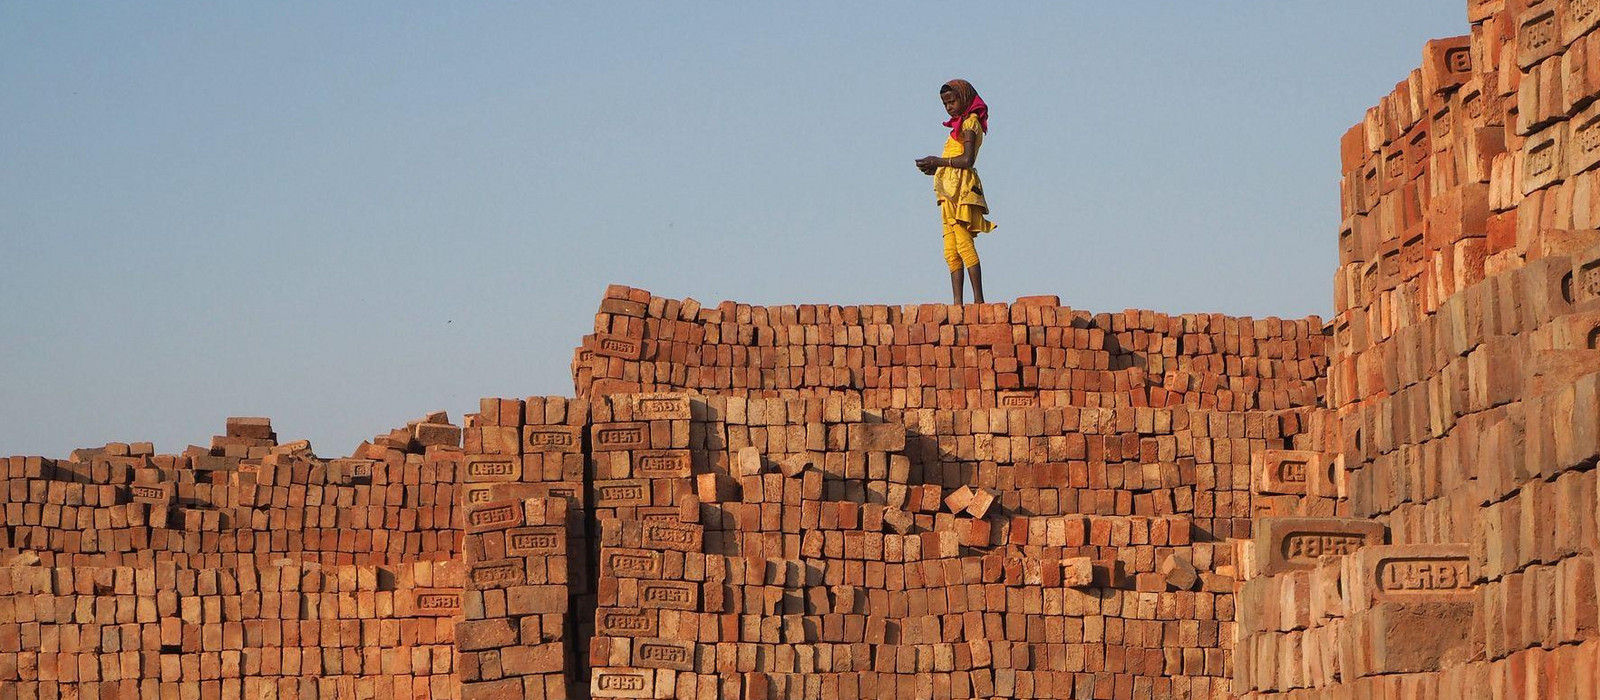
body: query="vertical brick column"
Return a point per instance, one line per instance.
(523, 492)
(512, 639)
(651, 564)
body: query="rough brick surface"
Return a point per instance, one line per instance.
(1001, 500)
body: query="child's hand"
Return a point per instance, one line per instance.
(927, 164)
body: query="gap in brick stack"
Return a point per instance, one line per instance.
(1015, 500)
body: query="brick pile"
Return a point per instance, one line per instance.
(819, 559)
(1004, 500)
(277, 630)
(246, 498)
(246, 569)
(1462, 390)
(514, 633)
(1031, 353)
(853, 468)
(527, 551)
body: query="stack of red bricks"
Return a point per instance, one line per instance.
(651, 561)
(247, 569)
(933, 501)
(245, 499)
(283, 630)
(1019, 501)
(533, 448)
(1477, 164)
(514, 633)
(1415, 194)
(805, 547)
(1342, 611)
(1466, 384)
(1032, 353)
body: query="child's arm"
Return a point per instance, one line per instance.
(967, 159)
(969, 152)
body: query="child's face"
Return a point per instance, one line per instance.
(952, 104)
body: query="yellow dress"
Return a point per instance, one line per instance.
(960, 188)
(962, 207)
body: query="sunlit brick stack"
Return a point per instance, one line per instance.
(992, 501)
(248, 569)
(1033, 352)
(245, 499)
(279, 630)
(1464, 388)
(832, 566)
(834, 533)
(513, 638)
(527, 549)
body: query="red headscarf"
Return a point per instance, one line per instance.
(967, 96)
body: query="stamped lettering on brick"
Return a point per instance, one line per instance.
(621, 436)
(661, 464)
(1538, 34)
(1311, 546)
(1416, 572)
(1285, 471)
(567, 492)
(673, 595)
(1581, 16)
(1472, 104)
(615, 681)
(494, 469)
(1443, 123)
(1585, 139)
(498, 574)
(621, 494)
(1541, 159)
(607, 345)
(631, 563)
(438, 603)
(621, 623)
(1017, 399)
(1394, 167)
(668, 535)
(622, 683)
(661, 407)
(1588, 281)
(1423, 575)
(494, 517)
(664, 653)
(550, 438)
(658, 514)
(1582, 11)
(1298, 543)
(1458, 60)
(1292, 470)
(533, 542)
(150, 493)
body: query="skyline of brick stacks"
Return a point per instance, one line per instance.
(991, 501)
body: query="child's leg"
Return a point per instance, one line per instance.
(959, 252)
(952, 257)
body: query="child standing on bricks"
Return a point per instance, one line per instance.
(956, 186)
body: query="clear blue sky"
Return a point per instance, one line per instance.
(344, 215)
